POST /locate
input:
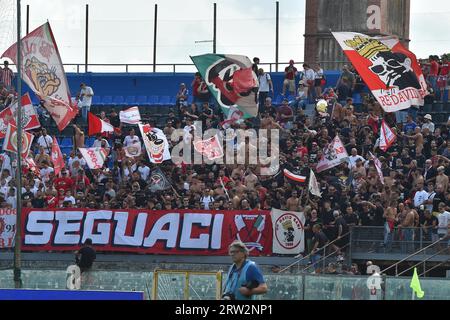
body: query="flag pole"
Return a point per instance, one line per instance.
(17, 239)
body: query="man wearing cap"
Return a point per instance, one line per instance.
(428, 123)
(289, 78)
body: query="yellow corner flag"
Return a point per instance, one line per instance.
(415, 285)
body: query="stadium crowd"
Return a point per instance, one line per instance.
(416, 168)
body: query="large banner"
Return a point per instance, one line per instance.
(288, 232)
(389, 69)
(7, 227)
(43, 71)
(231, 80)
(176, 232)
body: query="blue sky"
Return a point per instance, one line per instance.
(124, 34)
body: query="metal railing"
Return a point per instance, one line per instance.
(311, 253)
(371, 239)
(422, 262)
(409, 256)
(172, 67)
(324, 258)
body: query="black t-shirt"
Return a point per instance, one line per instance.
(438, 198)
(308, 233)
(87, 258)
(429, 222)
(27, 195)
(38, 203)
(340, 221)
(322, 239)
(352, 219)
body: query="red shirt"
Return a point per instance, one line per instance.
(444, 69)
(65, 183)
(79, 185)
(302, 151)
(195, 86)
(373, 122)
(52, 201)
(225, 180)
(434, 68)
(290, 75)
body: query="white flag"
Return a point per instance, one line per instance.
(333, 155)
(387, 136)
(314, 185)
(155, 143)
(377, 163)
(130, 116)
(95, 157)
(288, 232)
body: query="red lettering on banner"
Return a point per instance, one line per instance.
(402, 98)
(395, 99)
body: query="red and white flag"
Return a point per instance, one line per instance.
(155, 143)
(95, 157)
(333, 155)
(377, 163)
(97, 125)
(29, 162)
(211, 148)
(234, 116)
(30, 119)
(57, 157)
(11, 137)
(43, 71)
(389, 69)
(130, 116)
(387, 137)
(288, 174)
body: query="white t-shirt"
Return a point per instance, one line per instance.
(129, 140)
(71, 199)
(264, 82)
(12, 201)
(309, 74)
(98, 143)
(420, 197)
(352, 160)
(206, 201)
(6, 162)
(85, 100)
(443, 219)
(45, 142)
(45, 173)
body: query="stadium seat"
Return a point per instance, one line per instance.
(66, 150)
(152, 100)
(89, 141)
(357, 99)
(96, 100)
(106, 100)
(278, 100)
(66, 142)
(119, 101)
(130, 100)
(164, 101)
(173, 100)
(141, 101)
